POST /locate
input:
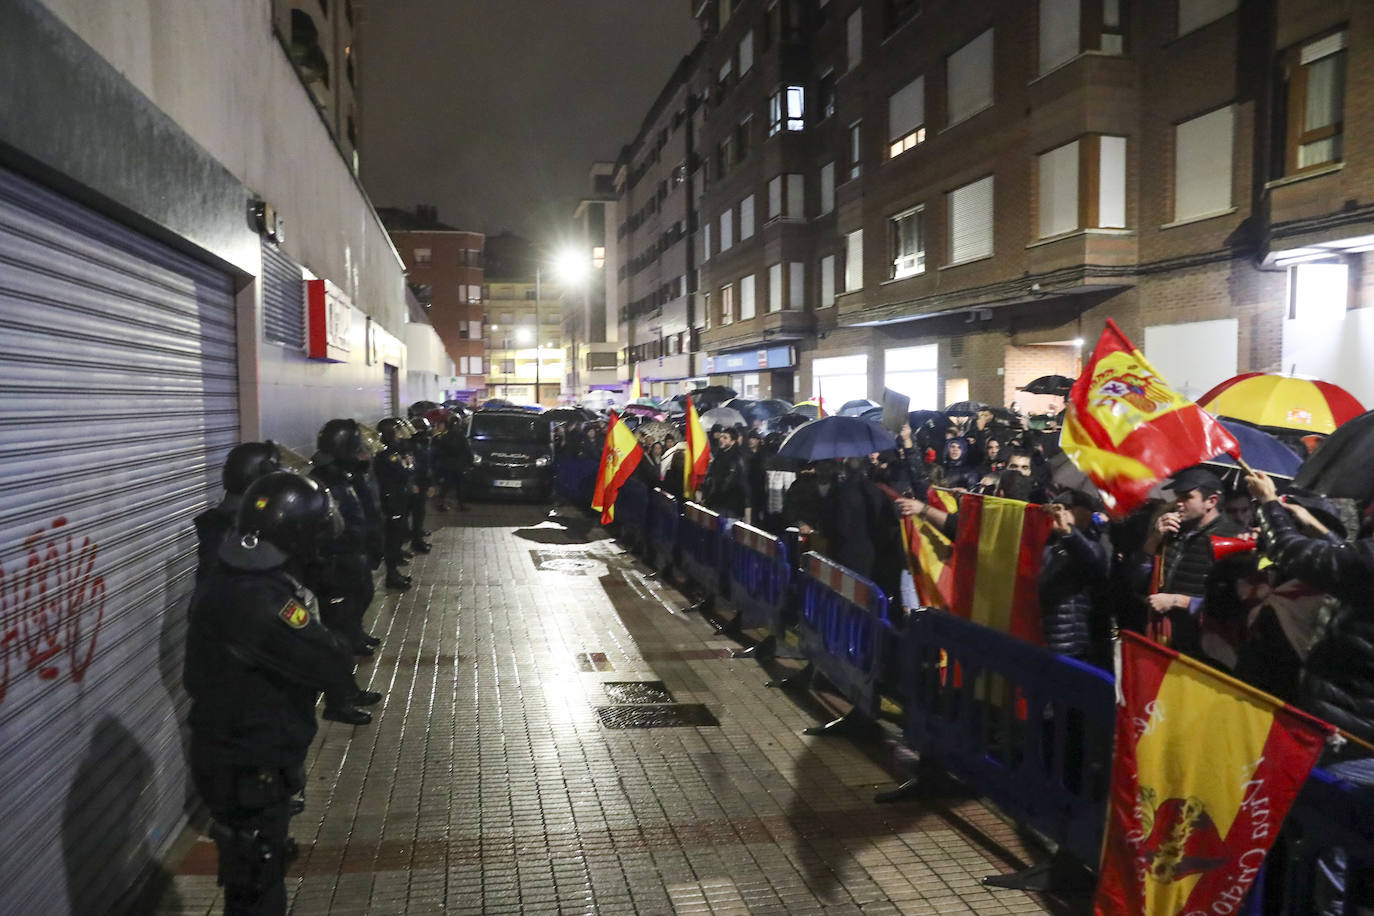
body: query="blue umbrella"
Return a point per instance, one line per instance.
(1260, 450)
(836, 437)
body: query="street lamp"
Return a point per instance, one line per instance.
(571, 267)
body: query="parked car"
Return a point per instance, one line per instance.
(512, 453)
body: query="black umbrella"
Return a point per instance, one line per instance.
(1340, 467)
(1005, 415)
(712, 396)
(965, 408)
(1048, 384)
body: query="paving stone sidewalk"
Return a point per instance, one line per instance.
(492, 782)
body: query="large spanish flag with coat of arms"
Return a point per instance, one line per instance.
(1127, 429)
(619, 457)
(1204, 773)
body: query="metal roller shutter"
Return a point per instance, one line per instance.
(118, 403)
(283, 298)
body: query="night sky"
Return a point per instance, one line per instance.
(494, 110)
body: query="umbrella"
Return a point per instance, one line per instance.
(1283, 402)
(809, 409)
(712, 396)
(856, 407)
(651, 402)
(725, 416)
(1340, 467)
(965, 408)
(785, 423)
(652, 431)
(772, 407)
(1005, 415)
(1048, 384)
(1260, 450)
(836, 437)
(1065, 475)
(642, 410)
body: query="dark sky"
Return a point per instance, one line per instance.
(494, 110)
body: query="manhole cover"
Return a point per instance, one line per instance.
(637, 692)
(569, 563)
(593, 661)
(678, 715)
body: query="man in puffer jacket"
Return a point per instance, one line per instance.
(1073, 574)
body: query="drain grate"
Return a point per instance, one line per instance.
(626, 692)
(593, 661)
(676, 715)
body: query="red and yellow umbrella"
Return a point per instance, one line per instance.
(1284, 401)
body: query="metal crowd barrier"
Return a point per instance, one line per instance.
(760, 578)
(661, 526)
(575, 478)
(844, 629)
(701, 546)
(1027, 728)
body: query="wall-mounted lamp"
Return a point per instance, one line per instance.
(265, 220)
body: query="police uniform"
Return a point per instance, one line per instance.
(422, 458)
(343, 575)
(396, 483)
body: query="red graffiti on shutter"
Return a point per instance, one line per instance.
(51, 607)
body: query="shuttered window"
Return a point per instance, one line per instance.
(1058, 191)
(796, 285)
(746, 298)
(827, 297)
(854, 260)
(727, 230)
(746, 217)
(283, 298)
(1111, 183)
(1060, 23)
(969, 78)
(970, 222)
(746, 53)
(1203, 150)
(906, 117)
(854, 37)
(775, 288)
(1194, 14)
(827, 188)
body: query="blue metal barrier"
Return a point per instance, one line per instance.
(661, 523)
(844, 629)
(575, 478)
(1027, 728)
(702, 555)
(760, 578)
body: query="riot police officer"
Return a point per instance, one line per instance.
(422, 454)
(344, 578)
(396, 481)
(245, 463)
(256, 658)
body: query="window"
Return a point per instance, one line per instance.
(1318, 293)
(474, 293)
(1113, 37)
(827, 298)
(1202, 164)
(969, 78)
(423, 256)
(746, 53)
(1059, 31)
(970, 222)
(1316, 103)
(475, 365)
(727, 230)
(1058, 191)
(796, 285)
(775, 288)
(827, 188)
(706, 242)
(786, 197)
(854, 37)
(906, 117)
(825, 95)
(796, 197)
(746, 298)
(726, 69)
(907, 231)
(787, 110)
(727, 304)
(706, 309)
(839, 378)
(1111, 184)
(507, 367)
(856, 150)
(462, 365)
(475, 330)
(746, 217)
(854, 260)
(914, 372)
(1194, 14)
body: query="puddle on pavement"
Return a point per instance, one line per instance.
(627, 692)
(678, 715)
(593, 661)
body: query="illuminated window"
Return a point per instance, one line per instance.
(727, 304)
(856, 161)
(906, 117)
(907, 237)
(1315, 74)
(423, 256)
(787, 110)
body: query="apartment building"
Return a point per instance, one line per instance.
(591, 305)
(656, 196)
(321, 39)
(524, 340)
(444, 271)
(950, 198)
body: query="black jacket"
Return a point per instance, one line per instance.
(257, 657)
(726, 487)
(1073, 576)
(211, 527)
(862, 531)
(1338, 684)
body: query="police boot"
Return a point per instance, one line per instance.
(349, 715)
(367, 698)
(420, 546)
(371, 641)
(397, 582)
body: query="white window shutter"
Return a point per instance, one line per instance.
(906, 109)
(1060, 22)
(727, 230)
(970, 78)
(775, 288)
(746, 52)
(827, 188)
(796, 285)
(854, 260)
(1203, 150)
(746, 298)
(775, 196)
(796, 196)
(746, 217)
(854, 37)
(1111, 183)
(827, 297)
(970, 216)
(1059, 190)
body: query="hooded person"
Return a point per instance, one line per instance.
(959, 470)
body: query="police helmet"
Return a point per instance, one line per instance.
(421, 426)
(342, 440)
(393, 431)
(248, 461)
(283, 515)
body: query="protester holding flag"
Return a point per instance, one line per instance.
(1073, 575)
(619, 457)
(698, 453)
(726, 487)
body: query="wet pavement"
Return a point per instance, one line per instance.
(559, 735)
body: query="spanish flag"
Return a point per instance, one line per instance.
(1204, 773)
(997, 559)
(636, 387)
(1127, 429)
(930, 554)
(619, 457)
(698, 452)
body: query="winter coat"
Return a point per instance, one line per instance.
(1073, 575)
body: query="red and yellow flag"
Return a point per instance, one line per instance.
(930, 554)
(636, 387)
(1204, 773)
(698, 452)
(1127, 429)
(619, 457)
(997, 559)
